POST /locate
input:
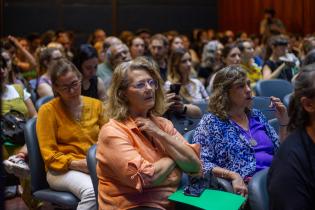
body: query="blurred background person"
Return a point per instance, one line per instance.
(291, 177)
(86, 61)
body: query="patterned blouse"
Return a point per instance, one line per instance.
(223, 144)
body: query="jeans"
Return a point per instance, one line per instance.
(76, 182)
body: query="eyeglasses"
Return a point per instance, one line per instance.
(142, 84)
(73, 85)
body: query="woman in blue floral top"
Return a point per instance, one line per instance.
(237, 141)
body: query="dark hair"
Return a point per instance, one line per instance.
(276, 40)
(240, 44)
(174, 61)
(85, 52)
(227, 49)
(270, 11)
(303, 87)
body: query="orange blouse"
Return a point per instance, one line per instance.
(125, 166)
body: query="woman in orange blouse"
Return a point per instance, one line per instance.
(140, 155)
(66, 128)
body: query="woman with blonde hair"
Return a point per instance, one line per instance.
(140, 155)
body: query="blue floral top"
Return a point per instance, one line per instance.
(223, 144)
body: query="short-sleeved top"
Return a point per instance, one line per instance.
(224, 145)
(125, 166)
(196, 91)
(14, 98)
(291, 177)
(63, 139)
(92, 90)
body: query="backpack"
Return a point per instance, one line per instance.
(12, 127)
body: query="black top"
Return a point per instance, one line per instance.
(92, 91)
(291, 178)
(285, 74)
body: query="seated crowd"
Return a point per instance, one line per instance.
(121, 93)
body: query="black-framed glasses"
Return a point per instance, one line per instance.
(73, 85)
(142, 84)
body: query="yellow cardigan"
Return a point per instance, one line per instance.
(61, 138)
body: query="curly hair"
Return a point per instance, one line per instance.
(219, 102)
(304, 86)
(117, 103)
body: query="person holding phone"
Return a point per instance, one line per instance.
(179, 71)
(140, 155)
(236, 140)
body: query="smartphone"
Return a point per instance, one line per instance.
(175, 88)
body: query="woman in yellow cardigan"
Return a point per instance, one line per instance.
(66, 127)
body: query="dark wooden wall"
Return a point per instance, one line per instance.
(22, 17)
(245, 15)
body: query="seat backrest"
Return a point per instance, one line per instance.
(36, 163)
(189, 136)
(262, 104)
(273, 87)
(91, 162)
(257, 191)
(275, 124)
(42, 101)
(184, 124)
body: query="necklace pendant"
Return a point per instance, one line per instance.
(253, 142)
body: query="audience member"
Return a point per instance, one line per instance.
(67, 127)
(231, 55)
(291, 178)
(248, 62)
(191, 89)
(137, 47)
(115, 54)
(278, 63)
(140, 155)
(159, 50)
(45, 58)
(211, 61)
(237, 141)
(15, 98)
(86, 61)
(194, 57)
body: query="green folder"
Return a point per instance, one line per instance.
(210, 199)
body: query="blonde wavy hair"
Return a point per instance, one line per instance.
(117, 104)
(219, 102)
